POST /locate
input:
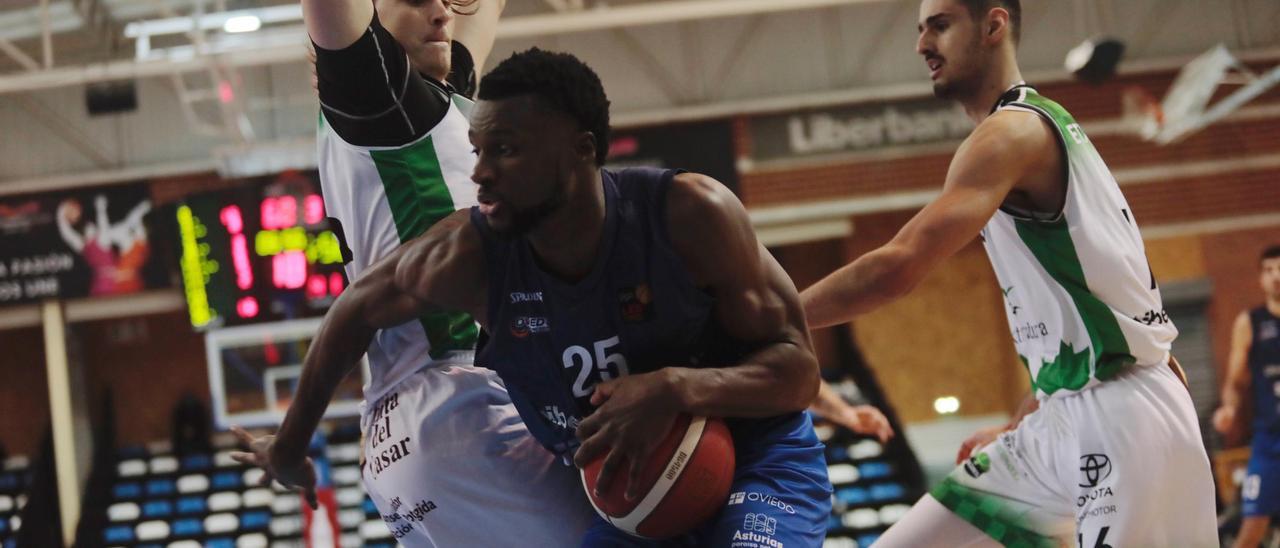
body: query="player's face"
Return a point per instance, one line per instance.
(525, 154)
(1270, 278)
(424, 28)
(951, 43)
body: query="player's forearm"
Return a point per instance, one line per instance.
(875, 279)
(1233, 392)
(334, 352)
(782, 378)
(336, 24)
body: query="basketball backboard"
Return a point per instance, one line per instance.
(254, 370)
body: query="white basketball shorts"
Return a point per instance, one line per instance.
(1121, 464)
(449, 463)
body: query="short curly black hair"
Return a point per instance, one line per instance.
(562, 81)
(1271, 252)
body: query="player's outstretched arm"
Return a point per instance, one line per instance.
(477, 27)
(1001, 152)
(1235, 391)
(443, 269)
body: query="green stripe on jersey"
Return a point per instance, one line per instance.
(990, 514)
(1052, 247)
(419, 197)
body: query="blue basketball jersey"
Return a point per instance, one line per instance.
(1264, 367)
(635, 312)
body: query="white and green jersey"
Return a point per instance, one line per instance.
(385, 196)
(1081, 299)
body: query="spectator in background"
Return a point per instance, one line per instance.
(1254, 362)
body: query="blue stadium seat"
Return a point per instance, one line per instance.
(251, 521)
(187, 527)
(118, 533)
(837, 453)
(370, 509)
(129, 490)
(132, 452)
(888, 491)
(159, 487)
(853, 495)
(220, 543)
(157, 509)
(226, 480)
(4, 524)
(199, 461)
(868, 540)
(833, 522)
(875, 470)
(191, 505)
(9, 482)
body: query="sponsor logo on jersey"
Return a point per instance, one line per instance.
(635, 302)
(1153, 317)
(1099, 493)
(977, 465)
(522, 326)
(526, 297)
(1094, 468)
(1268, 330)
(760, 523)
(559, 418)
(744, 496)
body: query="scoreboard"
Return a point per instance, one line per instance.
(260, 252)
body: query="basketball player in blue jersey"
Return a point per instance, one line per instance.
(616, 301)
(1254, 362)
(1112, 455)
(444, 450)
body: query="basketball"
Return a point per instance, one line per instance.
(686, 481)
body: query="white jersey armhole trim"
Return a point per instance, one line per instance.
(1066, 159)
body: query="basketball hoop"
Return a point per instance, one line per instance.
(1141, 114)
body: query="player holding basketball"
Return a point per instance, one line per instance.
(1113, 456)
(439, 434)
(1255, 361)
(616, 300)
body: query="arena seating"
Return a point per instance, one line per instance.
(874, 484)
(208, 499)
(15, 478)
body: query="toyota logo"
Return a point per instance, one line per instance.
(1094, 468)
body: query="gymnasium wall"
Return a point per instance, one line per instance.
(24, 391)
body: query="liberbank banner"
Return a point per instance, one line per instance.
(857, 128)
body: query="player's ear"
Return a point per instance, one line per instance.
(584, 146)
(997, 25)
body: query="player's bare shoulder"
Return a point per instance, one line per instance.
(445, 266)
(1025, 148)
(707, 224)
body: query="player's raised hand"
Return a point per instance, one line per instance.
(978, 440)
(633, 415)
(299, 477)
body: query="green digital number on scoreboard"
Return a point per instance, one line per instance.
(260, 252)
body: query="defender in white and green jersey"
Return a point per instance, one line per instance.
(1112, 455)
(1082, 302)
(447, 459)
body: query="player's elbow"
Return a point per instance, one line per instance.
(802, 380)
